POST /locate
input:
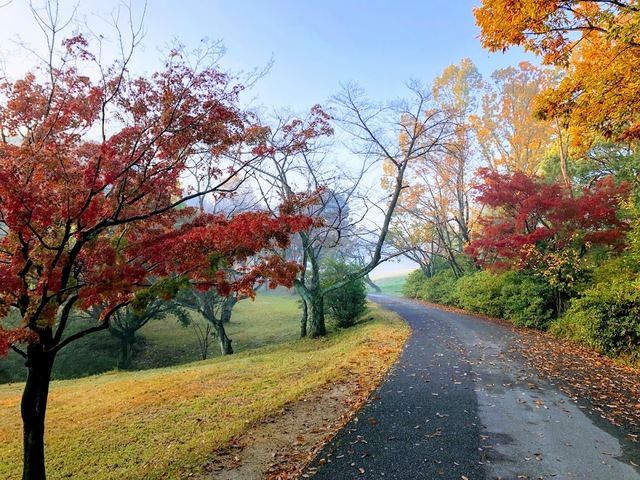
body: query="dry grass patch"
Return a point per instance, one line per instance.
(165, 423)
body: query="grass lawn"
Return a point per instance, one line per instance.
(391, 285)
(271, 319)
(165, 423)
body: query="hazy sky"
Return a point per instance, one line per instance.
(315, 44)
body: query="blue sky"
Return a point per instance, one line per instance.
(315, 44)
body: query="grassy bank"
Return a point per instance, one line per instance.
(391, 285)
(165, 423)
(271, 319)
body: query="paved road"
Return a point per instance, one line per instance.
(458, 406)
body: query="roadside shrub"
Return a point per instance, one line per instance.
(437, 289)
(441, 289)
(413, 284)
(606, 317)
(481, 292)
(528, 301)
(571, 327)
(346, 304)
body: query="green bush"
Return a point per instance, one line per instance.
(528, 301)
(570, 327)
(437, 289)
(413, 284)
(514, 295)
(441, 289)
(481, 292)
(348, 303)
(608, 315)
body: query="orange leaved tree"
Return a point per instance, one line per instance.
(597, 43)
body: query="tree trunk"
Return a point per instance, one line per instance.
(225, 342)
(316, 324)
(227, 307)
(311, 293)
(304, 319)
(564, 156)
(372, 284)
(33, 410)
(313, 322)
(126, 349)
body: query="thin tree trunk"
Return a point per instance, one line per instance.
(304, 319)
(225, 342)
(563, 145)
(33, 409)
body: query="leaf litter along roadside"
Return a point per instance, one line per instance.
(612, 390)
(600, 385)
(280, 447)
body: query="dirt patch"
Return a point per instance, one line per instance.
(280, 447)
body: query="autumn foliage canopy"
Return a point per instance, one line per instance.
(92, 189)
(597, 43)
(527, 218)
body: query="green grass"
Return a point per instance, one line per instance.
(391, 285)
(271, 319)
(165, 423)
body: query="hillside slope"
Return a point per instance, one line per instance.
(166, 423)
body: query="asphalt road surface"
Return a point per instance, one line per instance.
(458, 406)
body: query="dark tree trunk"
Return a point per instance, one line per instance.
(126, 349)
(372, 284)
(225, 342)
(33, 409)
(304, 319)
(227, 307)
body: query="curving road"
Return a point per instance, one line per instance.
(458, 406)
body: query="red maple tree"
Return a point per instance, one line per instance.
(530, 218)
(92, 210)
